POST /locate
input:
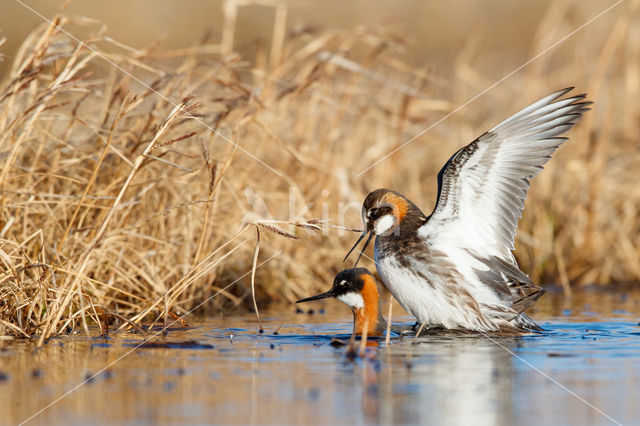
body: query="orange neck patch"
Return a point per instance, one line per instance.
(400, 205)
(370, 312)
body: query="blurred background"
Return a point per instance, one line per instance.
(498, 34)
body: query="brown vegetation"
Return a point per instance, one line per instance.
(132, 180)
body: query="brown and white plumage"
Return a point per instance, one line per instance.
(455, 268)
(358, 289)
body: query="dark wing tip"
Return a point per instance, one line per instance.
(564, 91)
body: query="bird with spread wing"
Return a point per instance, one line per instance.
(455, 268)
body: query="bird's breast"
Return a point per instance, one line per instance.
(422, 283)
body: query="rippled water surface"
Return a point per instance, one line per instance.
(585, 369)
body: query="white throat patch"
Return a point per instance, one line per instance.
(384, 225)
(352, 299)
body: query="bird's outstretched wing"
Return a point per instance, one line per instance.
(482, 188)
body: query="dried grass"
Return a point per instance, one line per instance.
(124, 171)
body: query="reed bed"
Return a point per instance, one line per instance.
(133, 180)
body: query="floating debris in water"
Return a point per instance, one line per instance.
(184, 344)
(337, 343)
(560, 355)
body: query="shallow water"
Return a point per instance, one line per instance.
(585, 369)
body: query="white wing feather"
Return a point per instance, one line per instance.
(483, 186)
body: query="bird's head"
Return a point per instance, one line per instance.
(358, 289)
(348, 287)
(383, 211)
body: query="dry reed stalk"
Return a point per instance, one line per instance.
(564, 280)
(253, 279)
(230, 10)
(212, 168)
(419, 331)
(166, 315)
(279, 34)
(363, 338)
(387, 338)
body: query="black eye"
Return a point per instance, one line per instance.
(377, 212)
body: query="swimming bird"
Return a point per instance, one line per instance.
(358, 289)
(455, 268)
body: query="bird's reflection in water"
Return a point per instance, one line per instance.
(371, 382)
(452, 380)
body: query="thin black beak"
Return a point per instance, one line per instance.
(364, 247)
(356, 244)
(316, 297)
